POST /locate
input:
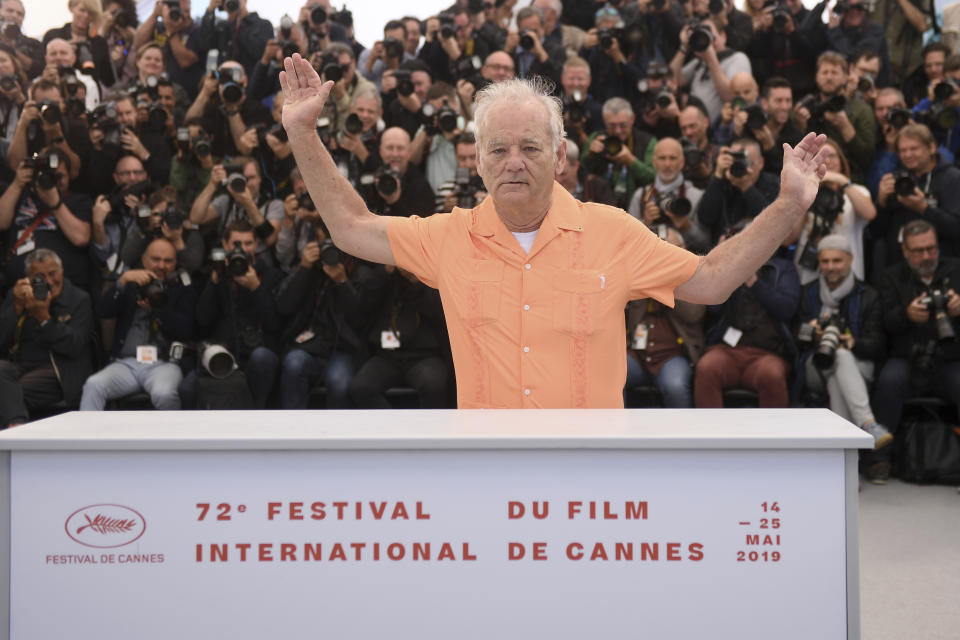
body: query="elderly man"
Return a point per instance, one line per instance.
(622, 154)
(534, 282)
(59, 54)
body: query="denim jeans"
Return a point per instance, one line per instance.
(673, 380)
(299, 370)
(125, 376)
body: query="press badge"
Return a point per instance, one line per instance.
(305, 336)
(26, 247)
(389, 339)
(640, 337)
(732, 336)
(146, 354)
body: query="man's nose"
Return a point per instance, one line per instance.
(514, 161)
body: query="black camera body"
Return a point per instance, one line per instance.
(674, 203)
(44, 167)
(404, 82)
(826, 208)
(231, 84)
(936, 301)
(692, 155)
(41, 290)
(903, 183)
(330, 255)
(741, 163)
(353, 124)
(393, 48)
(756, 117)
(701, 36)
(235, 181)
(304, 201)
(898, 118)
(466, 188)
(238, 262)
(201, 145)
(781, 17)
(817, 108)
(387, 180)
(439, 120)
(173, 218)
(825, 353)
(607, 36)
(176, 11)
(574, 107)
(612, 145)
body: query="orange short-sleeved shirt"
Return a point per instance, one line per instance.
(544, 329)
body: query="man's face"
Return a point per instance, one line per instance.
(550, 16)
(368, 111)
(517, 160)
(52, 95)
(619, 125)
(668, 159)
(575, 78)
(745, 88)
(855, 16)
(129, 171)
(166, 97)
(835, 266)
(933, 65)
(693, 125)
(395, 149)
(51, 272)
(464, 27)
(498, 67)
(247, 240)
(397, 34)
(253, 179)
(915, 155)
(531, 23)
(228, 66)
(421, 84)
(830, 78)
(756, 163)
(883, 104)
(12, 11)
(779, 104)
(467, 157)
(922, 253)
(127, 113)
(349, 65)
(60, 53)
(413, 36)
(868, 65)
(160, 259)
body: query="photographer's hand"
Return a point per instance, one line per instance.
(916, 201)
(22, 292)
(337, 272)
(953, 303)
(309, 254)
(140, 277)
(917, 311)
(250, 280)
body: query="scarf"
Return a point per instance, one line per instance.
(831, 299)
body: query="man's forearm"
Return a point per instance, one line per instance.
(144, 32)
(196, 109)
(76, 230)
(720, 80)
(185, 57)
(732, 262)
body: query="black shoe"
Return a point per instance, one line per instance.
(879, 472)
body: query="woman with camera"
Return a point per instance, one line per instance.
(118, 28)
(83, 32)
(841, 207)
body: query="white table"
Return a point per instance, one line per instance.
(431, 524)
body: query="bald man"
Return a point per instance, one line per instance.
(60, 53)
(498, 67)
(671, 201)
(733, 118)
(398, 188)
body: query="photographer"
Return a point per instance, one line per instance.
(61, 61)
(243, 200)
(940, 109)
(270, 147)
(323, 300)
(300, 219)
(622, 154)
(664, 344)
(42, 124)
(735, 191)
(115, 216)
(613, 74)
(659, 23)
(385, 54)
(904, 22)
(930, 70)
(841, 338)
(118, 29)
(398, 188)
(12, 96)
(451, 38)
(862, 81)
(154, 308)
(585, 188)
(708, 73)
(532, 53)
(567, 36)
(46, 329)
(184, 48)
(408, 342)
(241, 36)
(849, 122)
(166, 220)
(920, 318)
(354, 147)
(698, 152)
(237, 310)
(742, 115)
(92, 52)
(404, 92)
(29, 52)
(191, 166)
(582, 115)
(852, 31)
(671, 201)
(777, 103)
(657, 105)
(223, 107)
(42, 212)
(841, 207)
(927, 188)
(780, 47)
(466, 189)
(432, 147)
(318, 27)
(350, 83)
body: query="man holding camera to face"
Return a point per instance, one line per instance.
(165, 220)
(240, 36)
(733, 192)
(386, 54)
(397, 188)
(46, 327)
(44, 123)
(622, 153)
(466, 190)
(154, 308)
(184, 48)
(114, 216)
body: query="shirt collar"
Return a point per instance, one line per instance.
(564, 213)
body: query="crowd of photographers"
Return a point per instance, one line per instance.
(158, 238)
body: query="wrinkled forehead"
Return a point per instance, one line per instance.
(511, 120)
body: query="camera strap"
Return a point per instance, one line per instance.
(27, 233)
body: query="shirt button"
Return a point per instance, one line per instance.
(526, 392)
(527, 266)
(526, 349)
(526, 307)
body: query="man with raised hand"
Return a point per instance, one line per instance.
(534, 283)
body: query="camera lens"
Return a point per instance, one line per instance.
(318, 15)
(353, 124)
(612, 145)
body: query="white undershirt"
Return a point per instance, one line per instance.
(525, 238)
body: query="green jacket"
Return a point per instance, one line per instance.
(639, 173)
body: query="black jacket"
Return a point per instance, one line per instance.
(68, 336)
(722, 205)
(862, 313)
(244, 42)
(173, 322)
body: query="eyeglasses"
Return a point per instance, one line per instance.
(131, 172)
(501, 67)
(919, 251)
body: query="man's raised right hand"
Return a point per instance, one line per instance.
(304, 95)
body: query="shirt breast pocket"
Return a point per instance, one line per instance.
(580, 296)
(476, 290)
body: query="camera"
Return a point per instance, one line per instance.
(217, 360)
(117, 199)
(404, 82)
(939, 116)
(154, 292)
(393, 48)
(692, 155)
(331, 69)
(824, 355)
(447, 27)
(612, 145)
(44, 167)
(865, 83)
(936, 301)
(201, 145)
(944, 90)
(606, 37)
(237, 260)
(741, 163)
(677, 205)
(574, 108)
(781, 17)
(634, 34)
(898, 117)
(50, 111)
(323, 129)
(526, 40)
(235, 181)
(664, 98)
(715, 6)
(231, 6)
(318, 15)
(701, 37)
(156, 114)
(173, 218)
(183, 139)
(826, 207)
(841, 8)
(756, 117)
(304, 201)
(329, 253)
(231, 80)
(104, 118)
(833, 104)
(353, 124)
(466, 188)
(176, 13)
(903, 183)
(387, 180)
(10, 31)
(41, 290)
(436, 120)
(8, 82)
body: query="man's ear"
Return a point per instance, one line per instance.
(561, 158)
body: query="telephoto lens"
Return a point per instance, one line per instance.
(612, 145)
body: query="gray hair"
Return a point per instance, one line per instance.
(526, 12)
(367, 92)
(519, 90)
(41, 255)
(572, 149)
(616, 105)
(555, 5)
